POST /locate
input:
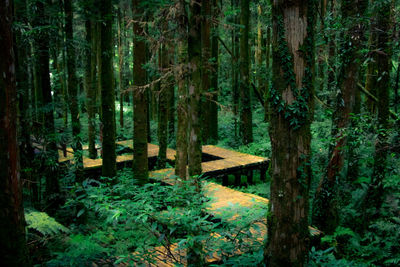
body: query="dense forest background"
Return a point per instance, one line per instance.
(311, 85)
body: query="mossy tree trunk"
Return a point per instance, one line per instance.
(182, 111)
(291, 104)
(73, 90)
(325, 213)
(195, 85)
(246, 120)
(140, 106)
(14, 251)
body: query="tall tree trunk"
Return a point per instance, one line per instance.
(292, 106)
(325, 213)
(23, 89)
(268, 75)
(214, 76)
(383, 59)
(332, 55)
(171, 103)
(205, 70)
(246, 120)
(259, 53)
(371, 77)
(235, 71)
(140, 163)
(194, 54)
(121, 69)
(73, 91)
(109, 168)
(91, 86)
(52, 184)
(13, 250)
(182, 111)
(163, 97)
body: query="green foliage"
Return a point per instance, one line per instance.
(43, 223)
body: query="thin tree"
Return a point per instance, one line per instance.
(109, 168)
(383, 55)
(90, 78)
(214, 66)
(163, 96)
(206, 70)
(13, 250)
(73, 90)
(140, 98)
(246, 120)
(291, 104)
(325, 213)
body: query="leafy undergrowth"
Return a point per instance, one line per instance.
(112, 224)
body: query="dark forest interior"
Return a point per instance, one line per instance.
(199, 133)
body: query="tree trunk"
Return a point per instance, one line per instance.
(180, 77)
(325, 213)
(163, 97)
(292, 106)
(91, 88)
(383, 59)
(73, 91)
(23, 89)
(194, 54)
(12, 222)
(213, 138)
(121, 69)
(140, 162)
(246, 121)
(109, 168)
(268, 75)
(52, 184)
(205, 70)
(235, 71)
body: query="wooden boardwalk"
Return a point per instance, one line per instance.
(225, 203)
(226, 161)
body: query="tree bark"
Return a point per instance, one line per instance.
(140, 106)
(205, 70)
(120, 69)
(182, 111)
(73, 91)
(13, 250)
(194, 54)
(292, 106)
(246, 120)
(213, 136)
(163, 98)
(91, 92)
(109, 168)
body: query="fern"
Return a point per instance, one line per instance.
(43, 223)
